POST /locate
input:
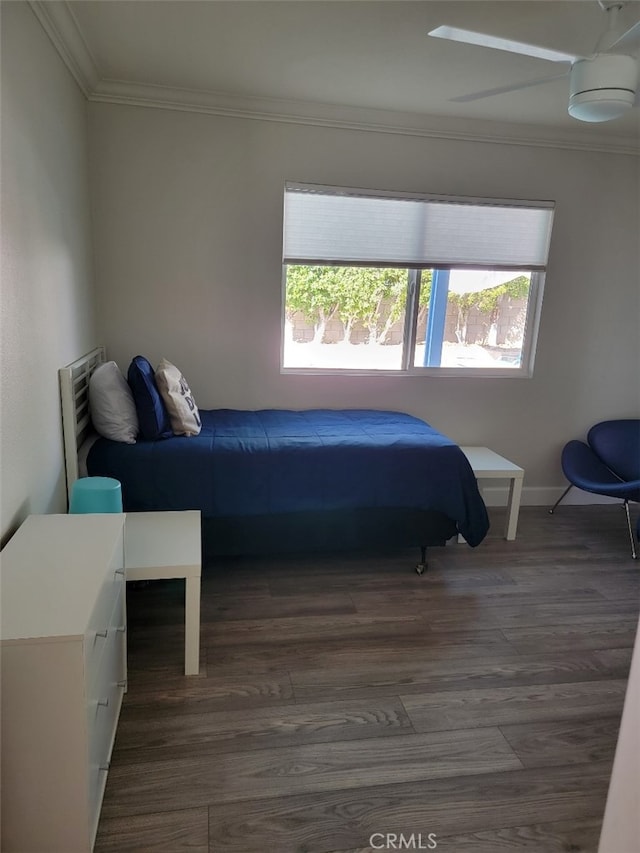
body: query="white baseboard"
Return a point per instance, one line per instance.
(544, 496)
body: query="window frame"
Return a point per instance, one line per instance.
(407, 368)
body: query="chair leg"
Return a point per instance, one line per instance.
(563, 495)
(631, 536)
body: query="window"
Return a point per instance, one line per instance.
(412, 284)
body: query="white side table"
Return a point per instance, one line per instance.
(488, 465)
(166, 545)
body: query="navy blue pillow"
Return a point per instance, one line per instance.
(153, 417)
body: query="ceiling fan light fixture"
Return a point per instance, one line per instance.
(600, 105)
(602, 88)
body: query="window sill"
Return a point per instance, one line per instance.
(437, 372)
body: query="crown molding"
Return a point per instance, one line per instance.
(355, 118)
(59, 23)
(62, 28)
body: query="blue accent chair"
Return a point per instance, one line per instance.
(607, 464)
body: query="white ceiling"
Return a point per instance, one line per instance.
(350, 53)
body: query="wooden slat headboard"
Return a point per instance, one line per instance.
(74, 398)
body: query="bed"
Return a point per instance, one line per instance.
(275, 480)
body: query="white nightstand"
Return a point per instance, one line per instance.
(165, 545)
(488, 465)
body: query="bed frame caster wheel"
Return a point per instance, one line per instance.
(421, 568)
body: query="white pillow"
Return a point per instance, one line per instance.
(174, 390)
(113, 410)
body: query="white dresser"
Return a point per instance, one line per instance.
(63, 659)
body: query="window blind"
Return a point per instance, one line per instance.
(325, 226)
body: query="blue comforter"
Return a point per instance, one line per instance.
(247, 463)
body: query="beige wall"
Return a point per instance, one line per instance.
(46, 301)
(188, 221)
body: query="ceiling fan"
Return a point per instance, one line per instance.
(602, 86)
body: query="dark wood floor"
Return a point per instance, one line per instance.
(342, 696)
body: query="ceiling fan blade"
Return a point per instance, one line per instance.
(487, 93)
(483, 40)
(627, 38)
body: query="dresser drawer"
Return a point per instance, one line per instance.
(104, 697)
(102, 736)
(107, 661)
(100, 621)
